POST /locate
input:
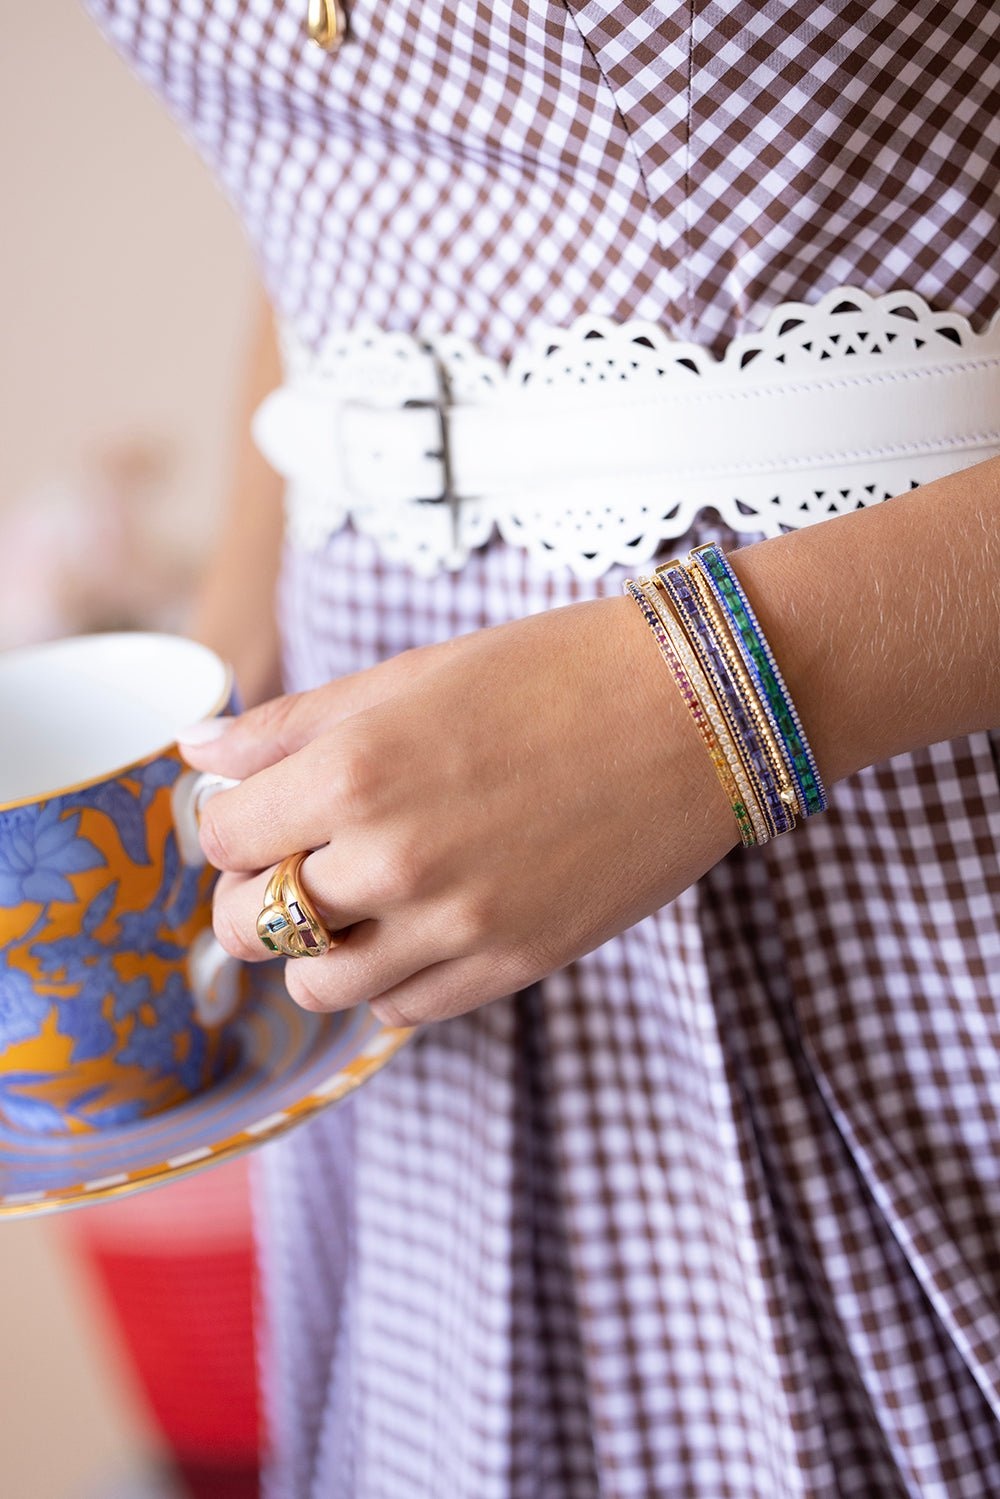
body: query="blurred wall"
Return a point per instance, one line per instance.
(125, 294)
(124, 277)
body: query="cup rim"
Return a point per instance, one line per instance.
(116, 772)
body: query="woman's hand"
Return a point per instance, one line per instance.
(481, 812)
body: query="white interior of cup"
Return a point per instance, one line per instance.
(75, 711)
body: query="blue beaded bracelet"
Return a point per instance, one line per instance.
(752, 644)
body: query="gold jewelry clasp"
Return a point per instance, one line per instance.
(326, 24)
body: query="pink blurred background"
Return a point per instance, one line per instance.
(126, 296)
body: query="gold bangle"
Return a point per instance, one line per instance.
(719, 695)
(779, 764)
(718, 759)
(735, 777)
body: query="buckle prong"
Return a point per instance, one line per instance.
(440, 405)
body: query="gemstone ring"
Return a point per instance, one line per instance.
(289, 923)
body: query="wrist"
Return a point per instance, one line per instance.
(676, 756)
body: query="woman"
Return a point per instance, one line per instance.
(695, 1191)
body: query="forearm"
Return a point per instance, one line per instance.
(886, 622)
(234, 609)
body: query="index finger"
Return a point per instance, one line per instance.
(283, 808)
(241, 746)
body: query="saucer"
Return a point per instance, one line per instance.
(291, 1063)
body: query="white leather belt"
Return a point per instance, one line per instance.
(605, 440)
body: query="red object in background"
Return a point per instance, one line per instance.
(177, 1268)
(185, 1320)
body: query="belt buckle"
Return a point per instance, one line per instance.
(441, 406)
(446, 495)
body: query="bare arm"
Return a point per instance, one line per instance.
(234, 609)
(887, 622)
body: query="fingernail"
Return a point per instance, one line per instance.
(202, 733)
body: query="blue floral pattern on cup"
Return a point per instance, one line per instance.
(99, 915)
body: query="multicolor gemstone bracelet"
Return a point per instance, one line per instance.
(730, 693)
(750, 641)
(727, 675)
(704, 710)
(772, 746)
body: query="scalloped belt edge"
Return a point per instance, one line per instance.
(603, 441)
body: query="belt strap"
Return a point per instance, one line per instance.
(828, 407)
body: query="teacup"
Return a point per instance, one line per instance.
(114, 997)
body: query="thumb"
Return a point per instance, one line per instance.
(241, 746)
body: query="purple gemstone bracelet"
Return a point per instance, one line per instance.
(731, 692)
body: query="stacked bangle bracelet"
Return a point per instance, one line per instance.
(711, 640)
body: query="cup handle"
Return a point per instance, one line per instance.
(192, 789)
(214, 976)
(216, 979)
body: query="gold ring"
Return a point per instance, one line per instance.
(288, 923)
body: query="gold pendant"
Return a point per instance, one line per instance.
(327, 24)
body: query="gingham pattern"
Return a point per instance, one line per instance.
(719, 1200)
(486, 169)
(714, 1211)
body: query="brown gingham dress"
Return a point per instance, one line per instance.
(714, 1211)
